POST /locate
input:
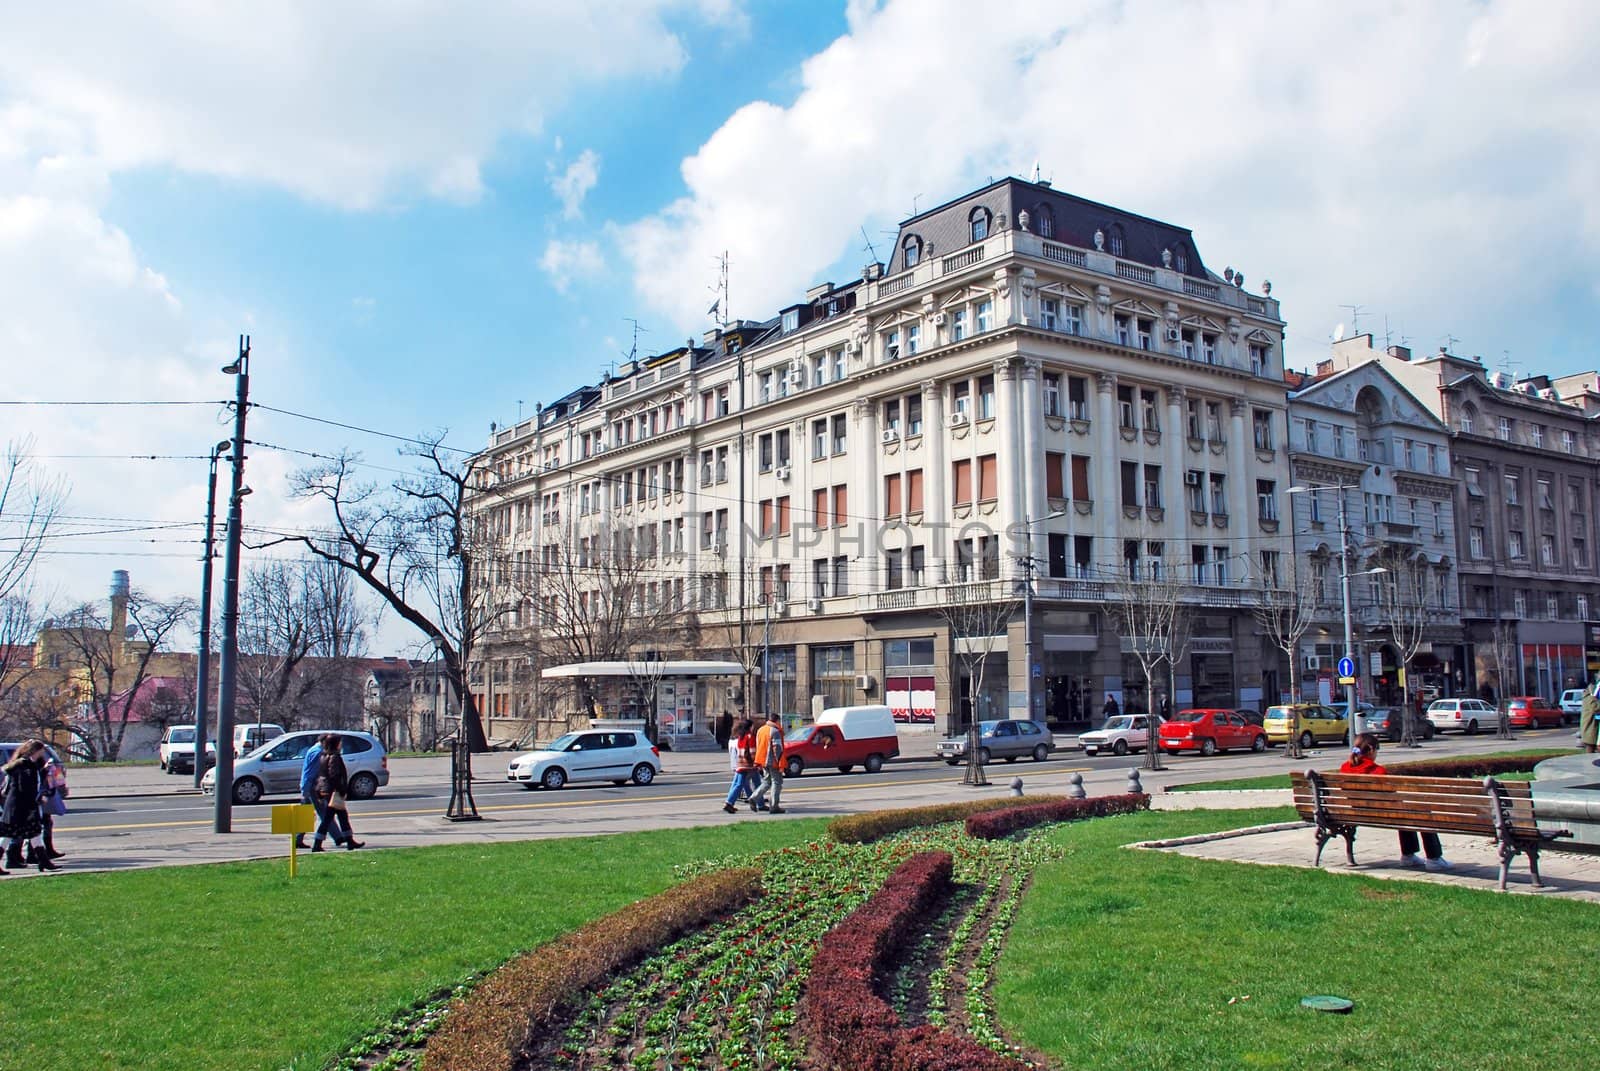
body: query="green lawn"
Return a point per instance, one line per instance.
(235, 967)
(1143, 960)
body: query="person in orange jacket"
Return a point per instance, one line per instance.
(1364, 760)
(769, 758)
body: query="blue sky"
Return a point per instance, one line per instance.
(372, 192)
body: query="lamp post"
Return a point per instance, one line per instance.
(227, 670)
(202, 686)
(1344, 591)
(1028, 563)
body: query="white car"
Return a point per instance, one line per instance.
(1468, 715)
(618, 756)
(274, 767)
(177, 750)
(1119, 735)
(1572, 704)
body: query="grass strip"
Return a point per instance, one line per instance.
(875, 825)
(1499, 764)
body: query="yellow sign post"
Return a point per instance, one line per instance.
(294, 819)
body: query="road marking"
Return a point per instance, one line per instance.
(265, 818)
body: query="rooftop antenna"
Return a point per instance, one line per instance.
(1450, 342)
(914, 199)
(519, 410)
(719, 307)
(633, 351)
(870, 250)
(1355, 317)
(1507, 365)
(1036, 170)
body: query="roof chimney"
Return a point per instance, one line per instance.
(1402, 352)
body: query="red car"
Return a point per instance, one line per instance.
(1531, 712)
(1210, 731)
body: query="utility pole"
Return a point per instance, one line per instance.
(202, 689)
(228, 671)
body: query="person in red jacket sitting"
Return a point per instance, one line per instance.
(1364, 760)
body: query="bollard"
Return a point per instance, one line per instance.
(1016, 786)
(1075, 787)
(1134, 788)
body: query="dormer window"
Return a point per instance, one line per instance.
(979, 221)
(1045, 221)
(1114, 240)
(791, 320)
(1180, 259)
(911, 251)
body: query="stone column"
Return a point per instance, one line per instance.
(869, 514)
(1177, 492)
(935, 501)
(1238, 477)
(1106, 492)
(1008, 514)
(1030, 445)
(691, 521)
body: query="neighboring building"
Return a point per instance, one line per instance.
(405, 702)
(1526, 454)
(1361, 429)
(1034, 378)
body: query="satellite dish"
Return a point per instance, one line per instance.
(1338, 333)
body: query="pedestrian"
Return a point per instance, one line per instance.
(1589, 717)
(310, 766)
(724, 729)
(769, 756)
(1364, 760)
(21, 807)
(742, 761)
(1112, 708)
(55, 803)
(333, 781)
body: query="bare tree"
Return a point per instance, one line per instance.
(413, 543)
(114, 666)
(302, 629)
(1503, 650)
(978, 615)
(1402, 594)
(1148, 603)
(19, 626)
(30, 502)
(1285, 613)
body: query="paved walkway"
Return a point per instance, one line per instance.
(1475, 862)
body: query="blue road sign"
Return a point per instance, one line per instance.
(1347, 667)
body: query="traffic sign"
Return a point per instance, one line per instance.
(1347, 667)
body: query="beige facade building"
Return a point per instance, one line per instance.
(1034, 384)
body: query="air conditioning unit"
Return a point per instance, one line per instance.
(938, 319)
(1174, 335)
(1191, 479)
(865, 682)
(551, 465)
(852, 348)
(814, 605)
(780, 607)
(719, 546)
(958, 419)
(797, 378)
(1312, 665)
(890, 436)
(781, 472)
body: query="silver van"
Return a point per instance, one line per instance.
(274, 769)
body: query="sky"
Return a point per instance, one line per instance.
(432, 216)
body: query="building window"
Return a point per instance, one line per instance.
(1152, 487)
(1258, 359)
(1546, 494)
(764, 453)
(1077, 398)
(840, 426)
(1270, 570)
(1080, 478)
(1130, 483)
(1049, 313)
(961, 482)
(1547, 549)
(1045, 221)
(1567, 444)
(979, 221)
(1208, 349)
(913, 251)
(1124, 327)
(893, 569)
(914, 414)
(841, 505)
(913, 338)
(819, 439)
(1536, 435)
(1214, 421)
(1195, 481)
(891, 495)
(1219, 562)
(1125, 411)
(1147, 330)
(819, 370)
(1114, 240)
(1187, 343)
(1219, 494)
(1514, 548)
(961, 398)
(1503, 429)
(1072, 319)
(1583, 607)
(986, 397)
(985, 317)
(1475, 541)
(1262, 422)
(988, 479)
(891, 346)
(1513, 489)
(914, 491)
(1469, 421)
(1052, 394)
(1149, 409)
(791, 320)
(838, 364)
(1267, 500)
(1199, 558)
(958, 325)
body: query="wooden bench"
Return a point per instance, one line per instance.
(1337, 803)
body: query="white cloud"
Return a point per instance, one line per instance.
(573, 184)
(569, 262)
(347, 103)
(1434, 161)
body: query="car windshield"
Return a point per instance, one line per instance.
(795, 736)
(1188, 715)
(1122, 722)
(181, 736)
(1443, 704)
(1280, 712)
(561, 743)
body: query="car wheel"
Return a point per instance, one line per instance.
(1472, 727)
(1258, 744)
(983, 756)
(952, 762)
(1041, 753)
(528, 786)
(846, 767)
(794, 767)
(363, 786)
(1307, 740)
(874, 763)
(1120, 747)
(644, 773)
(247, 790)
(1011, 758)
(1208, 746)
(1427, 730)
(554, 777)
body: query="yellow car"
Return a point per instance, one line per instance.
(1317, 723)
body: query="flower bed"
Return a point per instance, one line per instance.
(848, 1024)
(992, 825)
(875, 825)
(490, 1029)
(1467, 766)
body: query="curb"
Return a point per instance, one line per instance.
(1227, 834)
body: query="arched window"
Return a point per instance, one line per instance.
(1469, 419)
(1044, 221)
(1180, 259)
(980, 224)
(912, 251)
(1114, 240)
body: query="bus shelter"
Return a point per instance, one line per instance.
(678, 700)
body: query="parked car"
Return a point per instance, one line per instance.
(615, 755)
(248, 737)
(1468, 715)
(273, 769)
(1317, 723)
(1388, 723)
(1008, 739)
(1532, 712)
(843, 737)
(1572, 705)
(177, 750)
(1210, 731)
(1254, 717)
(1120, 734)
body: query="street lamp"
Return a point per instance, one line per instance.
(1344, 590)
(1028, 563)
(203, 671)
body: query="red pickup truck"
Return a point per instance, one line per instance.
(843, 737)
